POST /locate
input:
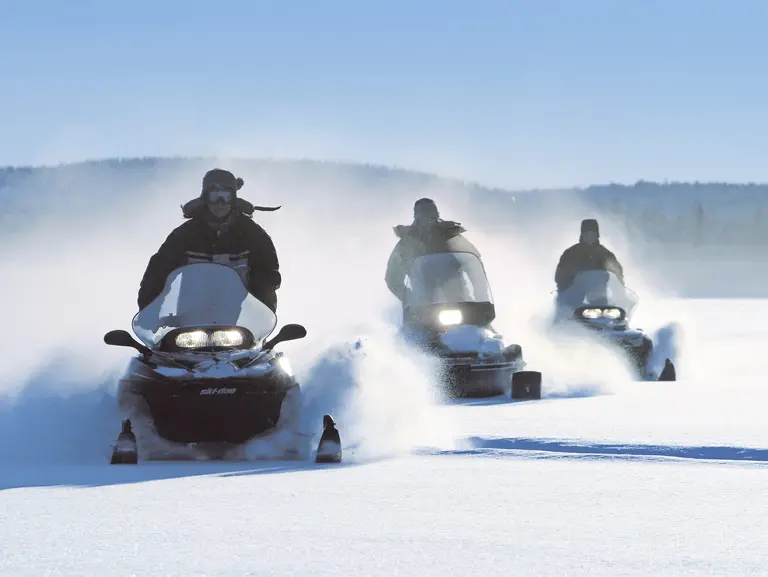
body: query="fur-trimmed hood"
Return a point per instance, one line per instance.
(447, 228)
(192, 208)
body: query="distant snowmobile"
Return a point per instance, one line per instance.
(205, 376)
(447, 311)
(600, 302)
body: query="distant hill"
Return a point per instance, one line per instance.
(689, 213)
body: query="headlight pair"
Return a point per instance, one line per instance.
(611, 313)
(198, 339)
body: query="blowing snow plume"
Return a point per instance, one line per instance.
(382, 394)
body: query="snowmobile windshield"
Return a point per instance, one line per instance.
(446, 278)
(203, 295)
(597, 288)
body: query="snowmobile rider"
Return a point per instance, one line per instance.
(426, 235)
(220, 229)
(587, 254)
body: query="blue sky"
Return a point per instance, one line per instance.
(508, 92)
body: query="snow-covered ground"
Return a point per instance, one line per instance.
(640, 479)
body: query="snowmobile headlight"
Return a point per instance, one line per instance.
(612, 313)
(227, 338)
(450, 317)
(192, 339)
(285, 365)
(200, 339)
(592, 313)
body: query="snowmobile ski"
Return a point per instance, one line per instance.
(329, 447)
(125, 451)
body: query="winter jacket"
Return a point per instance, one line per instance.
(243, 245)
(582, 257)
(444, 236)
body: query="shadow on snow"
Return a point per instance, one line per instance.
(540, 448)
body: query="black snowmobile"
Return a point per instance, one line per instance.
(447, 311)
(206, 378)
(598, 301)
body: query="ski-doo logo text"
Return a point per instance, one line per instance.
(215, 391)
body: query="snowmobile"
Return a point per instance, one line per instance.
(598, 301)
(205, 377)
(448, 309)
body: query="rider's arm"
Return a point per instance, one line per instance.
(562, 272)
(395, 275)
(167, 258)
(263, 261)
(615, 265)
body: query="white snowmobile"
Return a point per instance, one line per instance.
(206, 378)
(600, 302)
(447, 311)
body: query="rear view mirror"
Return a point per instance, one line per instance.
(121, 338)
(290, 332)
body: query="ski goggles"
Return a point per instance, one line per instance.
(219, 196)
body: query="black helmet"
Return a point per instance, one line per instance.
(425, 209)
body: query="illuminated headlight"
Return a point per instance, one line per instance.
(228, 338)
(611, 313)
(450, 317)
(201, 339)
(592, 313)
(285, 365)
(608, 313)
(192, 340)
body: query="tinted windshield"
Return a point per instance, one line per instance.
(203, 294)
(598, 288)
(447, 278)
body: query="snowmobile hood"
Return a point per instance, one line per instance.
(472, 338)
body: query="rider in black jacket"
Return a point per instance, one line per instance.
(220, 229)
(587, 254)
